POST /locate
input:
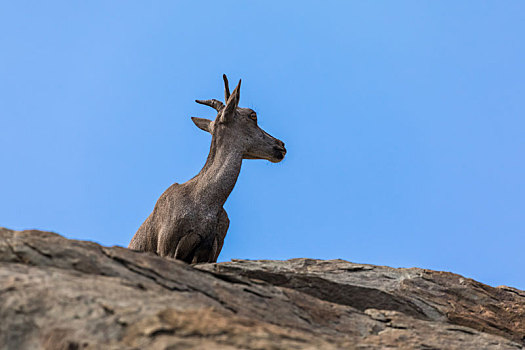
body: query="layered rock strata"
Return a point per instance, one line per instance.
(57, 293)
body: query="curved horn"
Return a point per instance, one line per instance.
(226, 88)
(217, 105)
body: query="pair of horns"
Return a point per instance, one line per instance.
(218, 105)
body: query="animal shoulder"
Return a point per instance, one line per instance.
(173, 195)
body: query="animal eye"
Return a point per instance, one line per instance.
(253, 116)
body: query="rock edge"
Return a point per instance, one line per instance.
(57, 293)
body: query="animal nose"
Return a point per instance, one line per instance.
(280, 143)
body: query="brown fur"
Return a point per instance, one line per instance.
(189, 222)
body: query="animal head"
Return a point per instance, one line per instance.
(238, 127)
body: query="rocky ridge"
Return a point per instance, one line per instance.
(57, 293)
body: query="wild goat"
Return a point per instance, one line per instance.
(189, 222)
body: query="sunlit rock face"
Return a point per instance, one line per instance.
(57, 293)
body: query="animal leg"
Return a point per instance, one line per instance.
(166, 242)
(186, 247)
(214, 251)
(222, 229)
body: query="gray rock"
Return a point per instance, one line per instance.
(57, 293)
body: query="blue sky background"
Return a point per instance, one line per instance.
(404, 123)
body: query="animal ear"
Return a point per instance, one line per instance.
(231, 105)
(202, 123)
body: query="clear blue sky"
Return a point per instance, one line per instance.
(404, 123)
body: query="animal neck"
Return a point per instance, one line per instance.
(217, 178)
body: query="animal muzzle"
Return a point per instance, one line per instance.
(279, 151)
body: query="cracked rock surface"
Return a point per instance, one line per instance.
(57, 293)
